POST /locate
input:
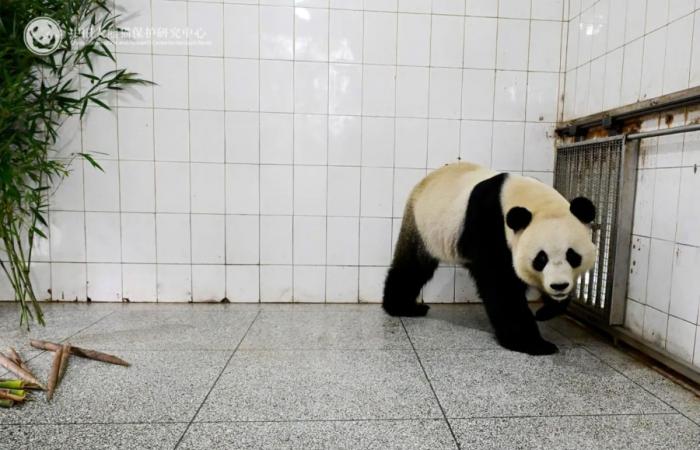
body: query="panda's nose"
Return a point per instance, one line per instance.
(559, 286)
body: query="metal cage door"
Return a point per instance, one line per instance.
(603, 170)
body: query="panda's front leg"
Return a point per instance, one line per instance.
(513, 322)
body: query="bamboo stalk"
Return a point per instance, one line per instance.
(55, 369)
(17, 370)
(65, 354)
(12, 384)
(12, 354)
(82, 352)
(7, 395)
(4, 403)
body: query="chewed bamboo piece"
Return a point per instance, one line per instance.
(65, 354)
(82, 352)
(12, 394)
(19, 371)
(55, 369)
(18, 384)
(14, 356)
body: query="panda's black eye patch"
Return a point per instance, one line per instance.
(573, 258)
(540, 261)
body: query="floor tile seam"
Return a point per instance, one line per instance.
(653, 394)
(430, 384)
(216, 380)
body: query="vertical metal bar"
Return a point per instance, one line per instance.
(623, 232)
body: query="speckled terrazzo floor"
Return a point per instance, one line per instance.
(335, 376)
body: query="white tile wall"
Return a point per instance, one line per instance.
(651, 49)
(273, 162)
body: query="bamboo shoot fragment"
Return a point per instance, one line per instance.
(55, 369)
(81, 352)
(17, 370)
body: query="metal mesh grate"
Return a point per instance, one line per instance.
(593, 169)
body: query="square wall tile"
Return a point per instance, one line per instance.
(67, 236)
(138, 238)
(511, 53)
(655, 326)
(345, 35)
(475, 141)
(444, 86)
(688, 231)
(378, 141)
(174, 283)
(206, 78)
(375, 241)
(639, 269)
(242, 84)
(276, 239)
(376, 192)
(411, 142)
(404, 182)
(169, 15)
(343, 241)
(508, 146)
(208, 188)
(276, 284)
(101, 187)
(208, 238)
(371, 284)
(276, 190)
(172, 187)
(207, 136)
(345, 89)
(276, 138)
(171, 81)
(441, 288)
(480, 42)
(173, 238)
(242, 131)
(412, 91)
(413, 46)
(137, 186)
(243, 283)
(477, 94)
(100, 133)
(310, 139)
(379, 38)
(443, 142)
(208, 283)
(68, 281)
(242, 188)
(660, 274)
(103, 237)
(311, 34)
(242, 239)
(276, 32)
(511, 91)
(309, 240)
(680, 340)
(104, 282)
(310, 87)
(341, 284)
(343, 191)
(666, 188)
(310, 190)
(276, 86)
(446, 47)
(241, 31)
(344, 140)
(685, 285)
(139, 281)
(171, 135)
(208, 19)
(135, 133)
(309, 284)
(378, 90)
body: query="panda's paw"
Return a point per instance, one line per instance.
(542, 348)
(415, 310)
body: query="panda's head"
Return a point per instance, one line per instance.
(551, 252)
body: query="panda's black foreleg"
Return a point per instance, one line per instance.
(510, 316)
(410, 269)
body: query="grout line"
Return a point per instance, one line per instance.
(638, 384)
(430, 384)
(189, 151)
(211, 389)
(259, 164)
(328, 138)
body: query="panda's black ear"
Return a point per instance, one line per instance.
(518, 218)
(583, 209)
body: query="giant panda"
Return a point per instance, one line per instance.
(514, 234)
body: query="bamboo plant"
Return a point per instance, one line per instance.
(37, 94)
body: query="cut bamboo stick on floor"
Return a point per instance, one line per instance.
(55, 370)
(14, 355)
(13, 395)
(82, 352)
(65, 354)
(10, 365)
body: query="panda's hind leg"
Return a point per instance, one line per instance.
(410, 269)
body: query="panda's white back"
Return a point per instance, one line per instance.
(439, 204)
